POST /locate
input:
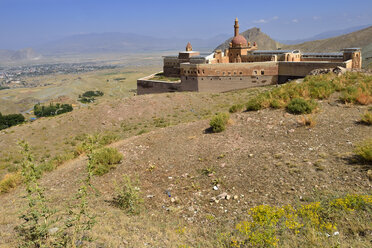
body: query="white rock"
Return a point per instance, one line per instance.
(222, 196)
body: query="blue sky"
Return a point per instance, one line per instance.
(25, 23)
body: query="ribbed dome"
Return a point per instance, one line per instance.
(239, 40)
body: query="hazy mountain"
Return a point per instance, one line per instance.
(20, 55)
(122, 42)
(263, 41)
(324, 35)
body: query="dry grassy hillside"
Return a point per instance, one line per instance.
(263, 158)
(359, 38)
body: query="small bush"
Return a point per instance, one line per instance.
(254, 104)
(300, 106)
(364, 150)
(10, 181)
(104, 159)
(236, 108)
(367, 118)
(128, 196)
(218, 122)
(96, 141)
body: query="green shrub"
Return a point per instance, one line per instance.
(300, 106)
(349, 94)
(218, 122)
(104, 159)
(320, 89)
(236, 108)
(51, 110)
(367, 118)
(10, 120)
(91, 93)
(364, 150)
(275, 104)
(128, 196)
(88, 96)
(254, 104)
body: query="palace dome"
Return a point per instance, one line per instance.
(239, 40)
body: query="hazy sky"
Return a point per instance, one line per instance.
(26, 23)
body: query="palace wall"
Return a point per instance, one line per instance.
(227, 77)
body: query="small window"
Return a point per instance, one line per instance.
(240, 73)
(262, 72)
(223, 73)
(234, 72)
(255, 72)
(198, 71)
(203, 71)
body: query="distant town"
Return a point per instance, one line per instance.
(14, 77)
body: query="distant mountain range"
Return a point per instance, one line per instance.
(20, 55)
(121, 42)
(131, 43)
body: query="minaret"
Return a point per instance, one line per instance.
(188, 47)
(236, 27)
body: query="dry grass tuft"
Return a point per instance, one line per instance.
(307, 121)
(367, 118)
(10, 181)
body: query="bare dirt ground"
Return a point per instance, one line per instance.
(263, 157)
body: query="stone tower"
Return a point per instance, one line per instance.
(355, 55)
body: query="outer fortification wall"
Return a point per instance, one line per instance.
(293, 70)
(147, 86)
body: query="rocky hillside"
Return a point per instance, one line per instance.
(359, 38)
(264, 41)
(195, 188)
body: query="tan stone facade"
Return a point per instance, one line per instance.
(242, 66)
